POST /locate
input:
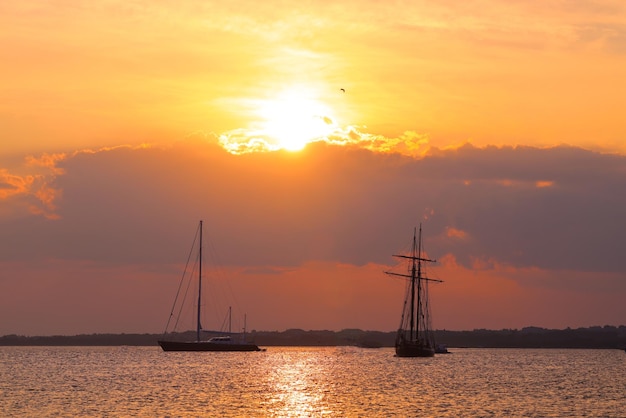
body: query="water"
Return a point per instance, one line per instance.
(310, 382)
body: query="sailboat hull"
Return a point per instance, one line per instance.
(206, 346)
(408, 349)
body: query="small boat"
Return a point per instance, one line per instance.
(219, 343)
(415, 337)
(369, 344)
(441, 349)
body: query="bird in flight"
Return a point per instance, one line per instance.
(343, 90)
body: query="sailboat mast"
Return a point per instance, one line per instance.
(198, 326)
(419, 282)
(412, 325)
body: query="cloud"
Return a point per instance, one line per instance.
(33, 191)
(456, 233)
(552, 208)
(243, 141)
(537, 221)
(12, 185)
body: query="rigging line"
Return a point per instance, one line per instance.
(180, 284)
(181, 305)
(227, 323)
(222, 286)
(402, 319)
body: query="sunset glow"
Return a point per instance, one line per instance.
(312, 138)
(294, 118)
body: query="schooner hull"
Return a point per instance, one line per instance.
(408, 349)
(206, 346)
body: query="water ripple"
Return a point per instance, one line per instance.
(310, 382)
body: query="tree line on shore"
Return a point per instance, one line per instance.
(530, 337)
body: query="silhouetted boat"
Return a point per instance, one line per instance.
(441, 349)
(369, 344)
(220, 343)
(415, 337)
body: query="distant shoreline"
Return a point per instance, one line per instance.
(607, 337)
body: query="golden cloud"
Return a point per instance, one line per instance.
(34, 190)
(410, 143)
(456, 233)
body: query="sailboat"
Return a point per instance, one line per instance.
(415, 337)
(219, 343)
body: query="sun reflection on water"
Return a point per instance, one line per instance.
(298, 384)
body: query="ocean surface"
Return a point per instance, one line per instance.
(310, 382)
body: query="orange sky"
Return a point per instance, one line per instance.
(497, 124)
(105, 73)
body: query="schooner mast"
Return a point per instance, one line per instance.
(416, 339)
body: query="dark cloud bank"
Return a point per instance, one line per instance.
(555, 208)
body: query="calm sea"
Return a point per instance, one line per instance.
(310, 382)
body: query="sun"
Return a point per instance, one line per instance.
(295, 117)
